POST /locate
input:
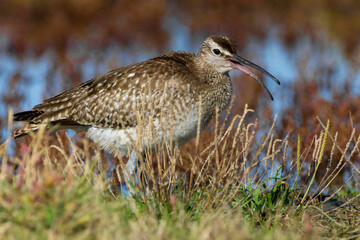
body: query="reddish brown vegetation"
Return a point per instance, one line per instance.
(40, 25)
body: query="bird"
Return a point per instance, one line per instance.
(139, 103)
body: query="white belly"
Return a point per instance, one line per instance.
(124, 140)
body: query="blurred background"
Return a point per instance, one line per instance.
(312, 47)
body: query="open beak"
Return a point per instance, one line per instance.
(239, 63)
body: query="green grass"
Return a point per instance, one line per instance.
(70, 196)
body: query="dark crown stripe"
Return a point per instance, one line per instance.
(225, 43)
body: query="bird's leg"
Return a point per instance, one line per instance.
(130, 174)
(131, 165)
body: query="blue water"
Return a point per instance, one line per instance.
(271, 53)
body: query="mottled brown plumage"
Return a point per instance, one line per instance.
(163, 89)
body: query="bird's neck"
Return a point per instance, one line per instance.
(216, 93)
(205, 71)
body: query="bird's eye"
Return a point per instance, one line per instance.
(216, 51)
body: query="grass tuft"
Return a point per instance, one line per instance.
(243, 185)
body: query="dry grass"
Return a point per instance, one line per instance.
(244, 184)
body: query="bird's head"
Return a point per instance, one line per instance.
(220, 53)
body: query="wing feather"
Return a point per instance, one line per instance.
(112, 99)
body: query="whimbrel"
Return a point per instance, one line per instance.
(166, 89)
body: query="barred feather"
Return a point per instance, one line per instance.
(165, 89)
(25, 130)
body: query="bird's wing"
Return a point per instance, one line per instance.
(113, 99)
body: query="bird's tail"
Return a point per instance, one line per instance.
(25, 130)
(26, 116)
(34, 122)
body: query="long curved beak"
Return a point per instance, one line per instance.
(240, 63)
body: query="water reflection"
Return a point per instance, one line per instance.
(323, 62)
